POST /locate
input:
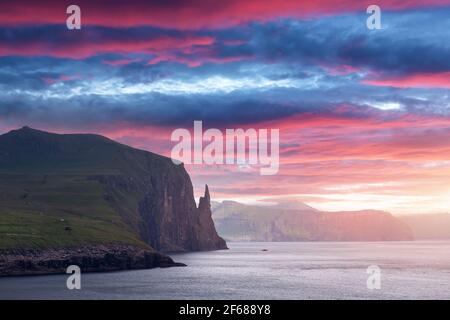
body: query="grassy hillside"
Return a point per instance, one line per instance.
(37, 152)
(51, 196)
(41, 211)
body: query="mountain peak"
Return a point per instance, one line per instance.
(26, 130)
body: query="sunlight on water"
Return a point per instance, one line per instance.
(308, 270)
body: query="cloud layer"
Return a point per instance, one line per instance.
(364, 115)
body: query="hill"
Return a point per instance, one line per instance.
(69, 191)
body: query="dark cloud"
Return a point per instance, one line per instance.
(409, 42)
(277, 69)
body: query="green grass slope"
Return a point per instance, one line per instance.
(58, 211)
(48, 197)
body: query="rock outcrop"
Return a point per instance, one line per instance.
(90, 259)
(205, 222)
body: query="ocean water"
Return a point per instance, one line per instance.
(302, 270)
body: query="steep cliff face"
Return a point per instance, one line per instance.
(87, 190)
(164, 212)
(167, 230)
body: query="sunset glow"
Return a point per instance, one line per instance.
(364, 115)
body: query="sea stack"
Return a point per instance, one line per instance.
(210, 239)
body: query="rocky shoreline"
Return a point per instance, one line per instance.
(99, 258)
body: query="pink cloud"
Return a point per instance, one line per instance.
(193, 14)
(418, 80)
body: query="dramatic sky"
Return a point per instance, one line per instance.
(364, 115)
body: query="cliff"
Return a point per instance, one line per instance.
(82, 190)
(239, 222)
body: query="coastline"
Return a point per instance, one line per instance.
(94, 258)
(306, 270)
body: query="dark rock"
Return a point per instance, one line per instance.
(171, 221)
(89, 259)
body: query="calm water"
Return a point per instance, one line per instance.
(410, 270)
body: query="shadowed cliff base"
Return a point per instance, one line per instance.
(99, 258)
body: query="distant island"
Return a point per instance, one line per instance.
(87, 200)
(299, 222)
(296, 221)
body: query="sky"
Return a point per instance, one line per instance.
(364, 115)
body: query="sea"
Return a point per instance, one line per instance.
(267, 270)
